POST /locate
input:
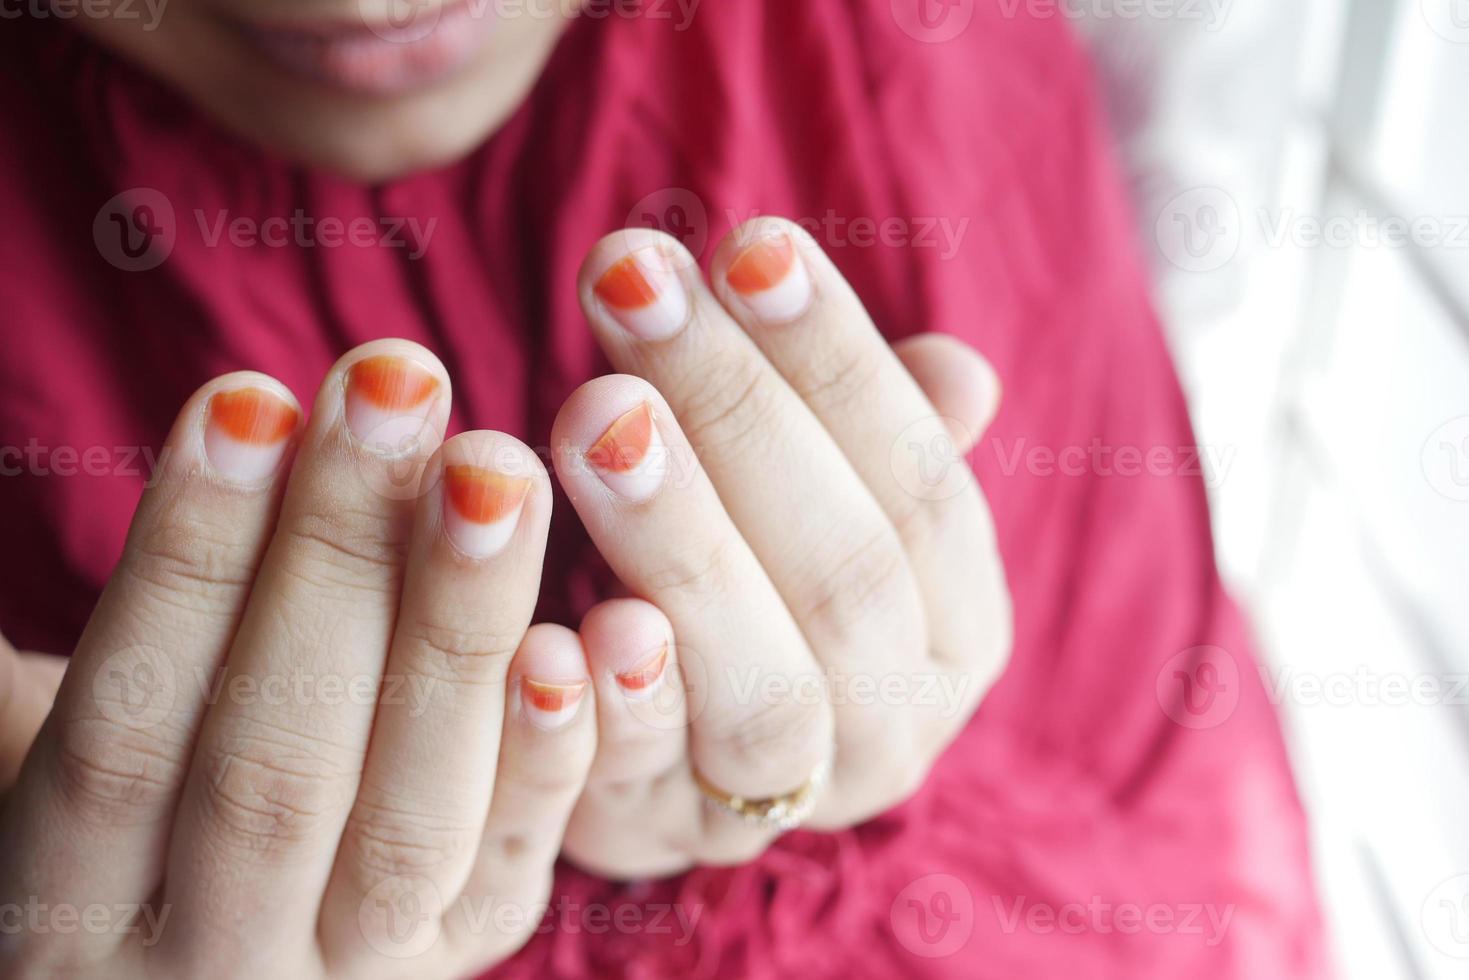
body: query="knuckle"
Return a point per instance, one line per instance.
(841, 376)
(268, 794)
(869, 582)
(390, 840)
(109, 775)
(343, 547)
(778, 741)
(697, 573)
(731, 398)
(173, 558)
(456, 656)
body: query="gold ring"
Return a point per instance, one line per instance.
(784, 812)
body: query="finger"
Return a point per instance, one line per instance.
(632, 819)
(280, 755)
(960, 384)
(790, 298)
(549, 740)
(28, 685)
(474, 574)
(844, 577)
(99, 788)
(657, 520)
(830, 550)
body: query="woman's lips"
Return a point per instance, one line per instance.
(391, 56)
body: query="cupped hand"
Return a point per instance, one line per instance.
(818, 600)
(308, 731)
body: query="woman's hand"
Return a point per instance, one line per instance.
(817, 576)
(307, 731)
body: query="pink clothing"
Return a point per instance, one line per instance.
(1078, 829)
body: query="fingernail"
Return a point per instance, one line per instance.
(550, 706)
(388, 402)
(484, 508)
(645, 295)
(642, 682)
(247, 431)
(771, 279)
(629, 457)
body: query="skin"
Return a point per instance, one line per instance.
(196, 46)
(372, 836)
(283, 833)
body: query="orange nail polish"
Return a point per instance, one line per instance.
(644, 294)
(550, 706)
(628, 456)
(641, 682)
(771, 279)
(484, 508)
(388, 401)
(246, 432)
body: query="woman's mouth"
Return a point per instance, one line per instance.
(415, 44)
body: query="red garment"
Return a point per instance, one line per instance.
(1073, 788)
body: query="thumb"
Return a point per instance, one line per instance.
(959, 382)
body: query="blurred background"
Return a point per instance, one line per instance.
(1298, 169)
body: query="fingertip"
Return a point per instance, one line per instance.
(630, 641)
(960, 382)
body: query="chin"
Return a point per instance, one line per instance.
(327, 105)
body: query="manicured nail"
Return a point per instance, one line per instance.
(247, 432)
(771, 279)
(642, 682)
(550, 706)
(388, 402)
(484, 508)
(630, 457)
(645, 294)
